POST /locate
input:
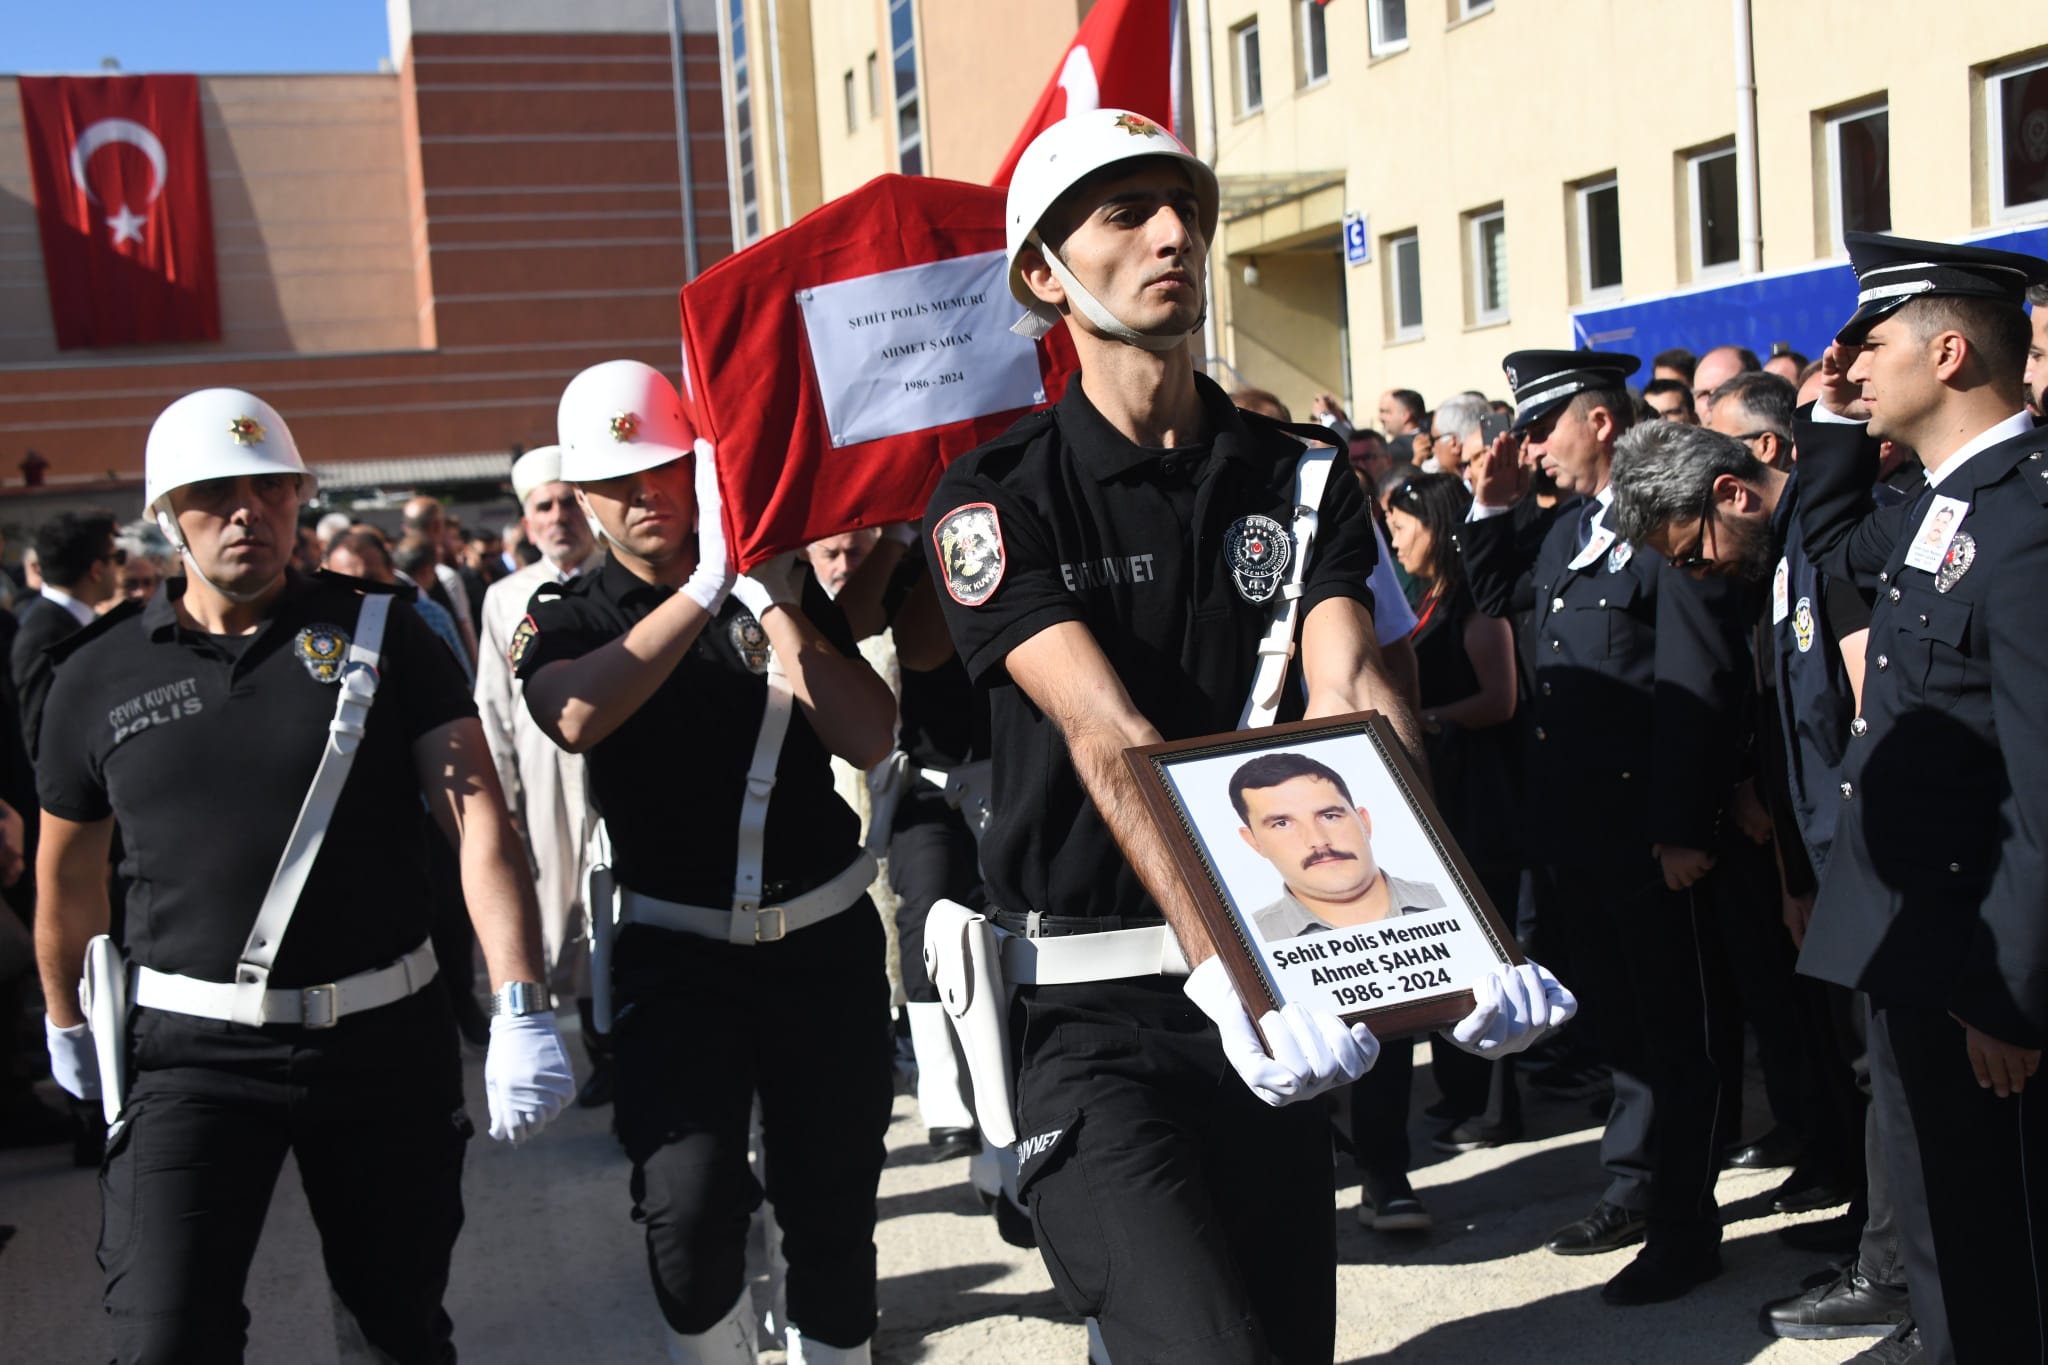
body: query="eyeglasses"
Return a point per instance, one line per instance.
(1697, 559)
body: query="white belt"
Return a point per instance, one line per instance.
(310, 1007)
(1074, 958)
(768, 924)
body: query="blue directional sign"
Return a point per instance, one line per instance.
(1357, 240)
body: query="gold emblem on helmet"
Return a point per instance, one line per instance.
(247, 431)
(624, 426)
(1135, 125)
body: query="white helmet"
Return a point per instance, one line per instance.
(1060, 158)
(217, 434)
(618, 418)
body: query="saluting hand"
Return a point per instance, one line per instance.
(1838, 394)
(2001, 1067)
(1499, 478)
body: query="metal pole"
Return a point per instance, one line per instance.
(675, 61)
(781, 113)
(1748, 213)
(1204, 74)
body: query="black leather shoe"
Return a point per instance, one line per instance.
(1807, 1191)
(597, 1090)
(1473, 1134)
(1836, 1236)
(948, 1143)
(1609, 1227)
(1846, 1306)
(1774, 1149)
(1658, 1275)
(1902, 1347)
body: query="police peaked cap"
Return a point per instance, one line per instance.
(1893, 271)
(1542, 380)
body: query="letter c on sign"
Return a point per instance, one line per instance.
(1077, 78)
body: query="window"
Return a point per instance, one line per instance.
(903, 59)
(1471, 9)
(852, 105)
(743, 125)
(1860, 173)
(2018, 127)
(1314, 42)
(874, 85)
(1488, 244)
(1388, 22)
(1599, 204)
(1716, 212)
(1244, 68)
(1401, 255)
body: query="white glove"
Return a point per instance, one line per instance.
(1313, 1050)
(712, 580)
(1513, 1007)
(527, 1079)
(778, 583)
(74, 1063)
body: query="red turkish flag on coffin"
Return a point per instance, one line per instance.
(839, 365)
(119, 165)
(1122, 58)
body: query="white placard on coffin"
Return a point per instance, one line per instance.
(919, 347)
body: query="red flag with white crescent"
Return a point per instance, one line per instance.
(119, 166)
(1122, 58)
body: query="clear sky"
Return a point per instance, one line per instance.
(200, 36)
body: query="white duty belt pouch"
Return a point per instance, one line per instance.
(963, 955)
(249, 998)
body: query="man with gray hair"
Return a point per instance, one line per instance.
(1452, 427)
(1755, 407)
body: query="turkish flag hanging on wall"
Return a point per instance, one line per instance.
(119, 164)
(1122, 58)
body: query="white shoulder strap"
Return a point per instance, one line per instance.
(1311, 474)
(354, 693)
(746, 877)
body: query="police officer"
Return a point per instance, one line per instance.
(1701, 499)
(1625, 776)
(748, 958)
(276, 925)
(544, 786)
(1931, 900)
(1107, 570)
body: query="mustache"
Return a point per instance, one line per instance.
(1327, 855)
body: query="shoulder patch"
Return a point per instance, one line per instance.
(523, 637)
(59, 650)
(969, 541)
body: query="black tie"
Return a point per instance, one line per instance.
(1586, 520)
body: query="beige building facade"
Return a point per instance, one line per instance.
(1514, 162)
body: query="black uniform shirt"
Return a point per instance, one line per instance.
(1136, 544)
(670, 780)
(202, 749)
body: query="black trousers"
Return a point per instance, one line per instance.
(1193, 1221)
(932, 857)
(371, 1109)
(705, 1027)
(1969, 1185)
(1641, 979)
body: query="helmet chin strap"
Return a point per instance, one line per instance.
(168, 524)
(1106, 322)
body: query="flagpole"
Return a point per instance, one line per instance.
(675, 60)
(1204, 76)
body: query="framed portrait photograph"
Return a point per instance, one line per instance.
(1324, 873)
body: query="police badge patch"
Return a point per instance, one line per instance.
(322, 649)
(1619, 556)
(522, 640)
(750, 639)
(1258, 551)
(970, 544)
(1962, 553)
(1802, 624)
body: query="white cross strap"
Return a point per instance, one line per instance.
(1276, 650)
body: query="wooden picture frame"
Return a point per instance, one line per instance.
(1404, 970)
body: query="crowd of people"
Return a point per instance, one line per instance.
(1703, 663)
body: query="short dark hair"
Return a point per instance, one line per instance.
(1270, 770)
(1258, 400)
(1411, 400)
(415, 558)
(1677, 358)
(364, 543)
(70, 544)
(1439, 502)
(1768, 398)
(1616, 400)
(1658, 387)
(1995, 329)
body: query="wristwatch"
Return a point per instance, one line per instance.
(516, 999)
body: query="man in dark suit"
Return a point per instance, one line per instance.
(1626, 776)
(81, 569)
(1932, 897)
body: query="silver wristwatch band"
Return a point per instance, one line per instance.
(516, 999)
